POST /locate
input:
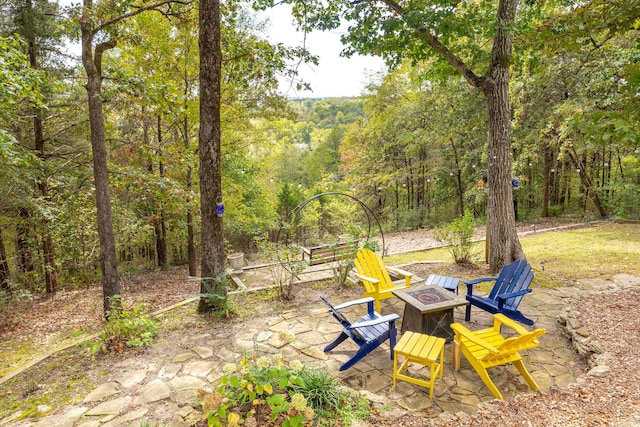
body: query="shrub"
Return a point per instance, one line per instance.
(458, 236)
(125, 327)
(321, 389)
(266, 391)
(285, 264)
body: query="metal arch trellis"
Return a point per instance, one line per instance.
(296, 211)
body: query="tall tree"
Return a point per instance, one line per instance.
(21, 85)
(97, 27)
(32, 32)
(456, 34)
(38, 22)
(212, 265)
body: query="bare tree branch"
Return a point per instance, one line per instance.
(137, 11)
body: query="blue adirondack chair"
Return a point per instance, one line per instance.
(510, 286)
(368, 332)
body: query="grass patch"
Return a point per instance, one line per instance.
(560, 257)
(19, 351)
(601, 251)
(42, 388)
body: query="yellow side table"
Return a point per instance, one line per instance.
(422, 349)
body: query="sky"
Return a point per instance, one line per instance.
(334, 76)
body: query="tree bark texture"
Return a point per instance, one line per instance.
(5, 275)
(504, 245)
(92, 66)
(160, 223)
(213, 283)
(24, 258)
(191, 246)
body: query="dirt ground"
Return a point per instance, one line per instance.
(81, 309)
(608, 399)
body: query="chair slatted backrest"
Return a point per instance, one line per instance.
(337, 314)
(523, 282)
(501, 286)
(512, 278)
(370, 264)
(513, 345)
(342, 319)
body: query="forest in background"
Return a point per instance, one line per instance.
(412, 148)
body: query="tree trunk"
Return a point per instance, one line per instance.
(587, 184)
(191, 246)
(548, 163)
(92, 66)
(504, 245)
(161, 226)
(213, 286)
(24, 258)
(50, 271)
(5, 275)
(458, 176)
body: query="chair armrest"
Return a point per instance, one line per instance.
(514, 294)
(400, 272)
(483, 279)
(367, 278)
(354, 302)
(502, 298)
(382, 319)
(470, 283)
(500, 320)
(459, 329)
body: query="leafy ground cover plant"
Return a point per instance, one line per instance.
(267, 391)
(125, 328)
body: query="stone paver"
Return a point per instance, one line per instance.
(102, 392)
(162, 390)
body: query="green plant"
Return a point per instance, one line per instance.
(355, 408)
(284, 262)
(372, 245)
(267, 390)
(321, 389)
(344, 264)
(125, 327)
(215, 293)
(458, 236)
(257, 391)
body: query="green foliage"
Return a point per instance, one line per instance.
(288, 199)
(372, 245)
(125, 327)
(458, 236)
(213, 294)
(626, 200)
(321, 389)
(17, 79)
(257, 389)
(260, 390)
(285, 264)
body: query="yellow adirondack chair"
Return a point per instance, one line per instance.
(486, 348)
(374, 275)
